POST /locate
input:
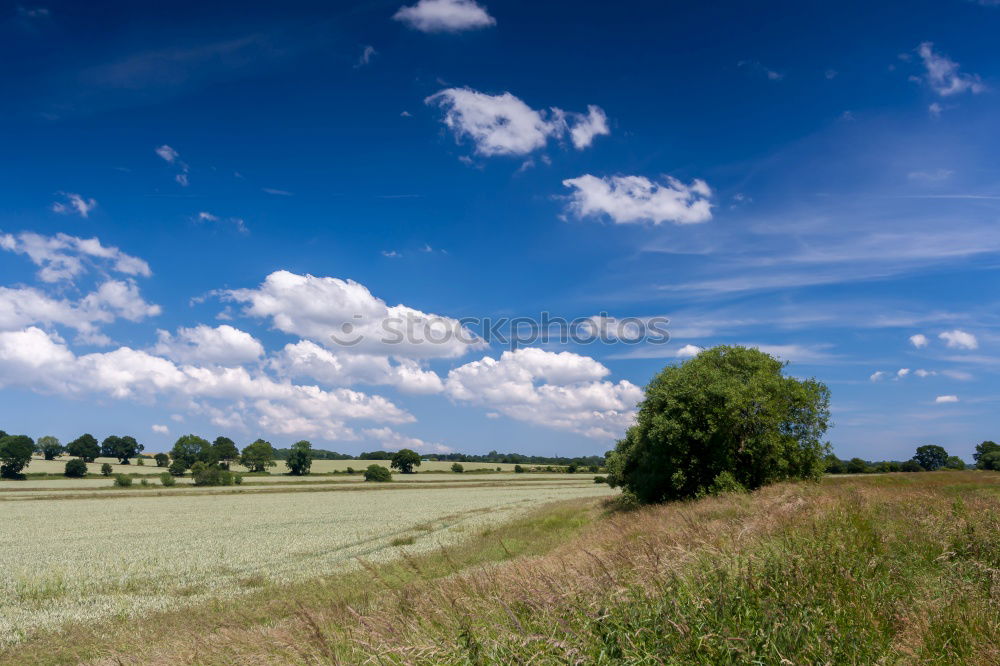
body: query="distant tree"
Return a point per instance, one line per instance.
(835, 465)
(177, 468)
(982, 449)
(990, 460)
(188, 450)
(856, 466)
(162, 459)
(729, 409)
(225, 451)
(518, 469)
(571, 468)
(299, 461)
(15, 455)
(954, 462)
(211, 474)
(106, 469)
(458, 468)
(84, 447)
(108, 446)
(257, 457)
(405, 460)
(594, 469)
(911, 466)
(378, 473)
(49, 447)
(123, 448)
(931, 457)
(75, 468)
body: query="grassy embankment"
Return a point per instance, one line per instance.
(898, 568)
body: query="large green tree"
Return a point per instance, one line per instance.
(300, 458)
(727, 416)
(225, 450)
(931, 457)
(123, 448)
(257, 457)
(85, 447)
(49, 447)
(15, 455)
(983, 449)
(405, 460)
(188, 450)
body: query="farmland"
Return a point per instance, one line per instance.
(72, 557)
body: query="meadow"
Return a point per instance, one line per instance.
(69, 557)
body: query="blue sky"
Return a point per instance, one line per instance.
(195, 198)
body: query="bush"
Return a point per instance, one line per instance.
(518, 469)
(458, 468)
(600, 479)
(725, 482)
(141, 460)
(162, 459)
(911, 466)
(144, 482)
(350, 470)
(75, 468)
(106, 469)
(378, 473)
(205, 474)
(123, 481)
(167, 480)
(728, 409)
(238, 479)
(571, 468)
(177, 467)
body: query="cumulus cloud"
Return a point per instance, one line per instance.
(629, 199)
(563, 390)
(307, 359)
(902, 372)
(445, 16)
(34, 359)
(63, 257)
(688, 351)
(946, 398)
(222, 345)
(877, 376)
(504, 125)
(161, 429)
(943, 74)
(919, 340)
(74, 203)
(319, 308)
(959, 339)
(393, 441)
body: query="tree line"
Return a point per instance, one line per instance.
(927, 458)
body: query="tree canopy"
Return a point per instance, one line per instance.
(727, 416)
(85, 446)
(931, 457)
(189, 449)
(405, 460)
(982, 454)
(257, 457)
(299, 461)
(15, 455)
(49, 447)
(225, 450)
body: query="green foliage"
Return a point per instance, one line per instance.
(188, 450)
(123, 481)
(49, 447)
(162, 459)
(15, 455)
(857, 466)
(458, 468)
(106, 469)
(85, 446)
(378, 473)
(123, 448)
(954, 462)
(600, 479)
(984, 449)
(257, 457)
(405, 460)
(300, 459)
(177, 468)
(834, 465)
(167, 480)
(931, 457)
(911, 466)
(75, 468)
(728, 409)
(518, 469)
(225, 450)
(211, 474)
(990, 460)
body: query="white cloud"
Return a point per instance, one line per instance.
(924, 373)
(318, 308)
(688, 351)
(919, 340)
(161, 429)
(168, 154)
(367, 54)
(222, 345)
(63, 257)
(74, 203)
(182, 179)
(563, 390)
(877, 376)
(172, 157)
(902, 372)
(946, 398)
(34, 359)
(307, 359)
(445, 16)
(958, 339)
(943, 75)
(393, 441)
(504, 125)
(595, 123)
(627, 199)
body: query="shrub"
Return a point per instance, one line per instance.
(518, 469)
(600, 479)
(238, 479)
(167, 480)
(378, 473)
(571, 468)
(144, 482)
(141, 460)
(162, 459)
(911, 466)
(350, 470)
(106, 469)
(725, 482)
(205, 474)
(123, 481)
(458, 468)
(75, 468)
(177, 468)
(728, 409)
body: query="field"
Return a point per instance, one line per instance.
(899, 568)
